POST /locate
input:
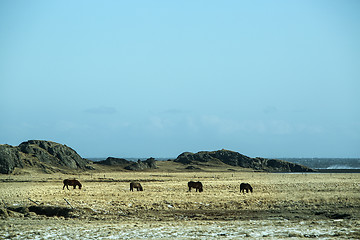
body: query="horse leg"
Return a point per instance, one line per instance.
(64, 187)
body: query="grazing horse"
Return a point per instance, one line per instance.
(196, 185)
(245, 186)
(136, 185)
(71, 182)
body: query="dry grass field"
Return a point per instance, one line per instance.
(295, 206)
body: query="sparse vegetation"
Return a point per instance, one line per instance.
(298, 199)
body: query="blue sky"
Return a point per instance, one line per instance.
(158, 78)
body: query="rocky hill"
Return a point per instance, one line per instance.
(149, 163)
(45, 155)
(236, 159)
(112, 161)
(53, 157)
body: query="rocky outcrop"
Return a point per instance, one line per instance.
(237, 159)
(46, 155)
(9, 159)
(149, 163)
(111, 161)
(141, 165)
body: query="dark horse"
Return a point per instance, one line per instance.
(245, 186)
(196, 185)
(71, 182)
(136, 185)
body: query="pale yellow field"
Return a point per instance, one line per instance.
(110, 191)
(105, 198)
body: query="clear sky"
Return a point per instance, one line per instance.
(158, 78)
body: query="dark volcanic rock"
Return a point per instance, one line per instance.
(149, 163)
(129, 165)
(9, 159)
(284, 166)
(111, 161)
(237, 159)
(54, 154)
(45, 155)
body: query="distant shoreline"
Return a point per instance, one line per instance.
(352, 170)
(323, 165)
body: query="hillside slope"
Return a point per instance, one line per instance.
(45, 155)
(236, 159)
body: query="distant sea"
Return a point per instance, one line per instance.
(328, 164)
